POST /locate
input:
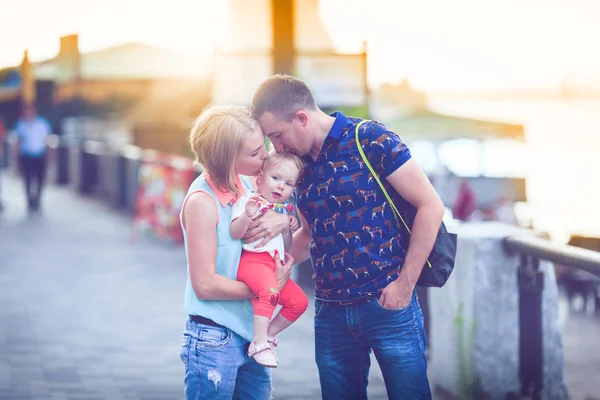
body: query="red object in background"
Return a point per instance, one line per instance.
(465, 203)
(162, 185)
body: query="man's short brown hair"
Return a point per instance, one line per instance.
(282, 95)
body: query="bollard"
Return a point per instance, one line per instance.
(74, 163)
(62, 161)
(121, 181)
(5, 156)
(89, 177)
(531, 366)
(108, 176)
(132, 160)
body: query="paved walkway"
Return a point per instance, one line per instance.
(581, 341)
(87, 314)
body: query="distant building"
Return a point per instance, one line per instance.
(128, 70)
(393, 101)
(123, 80)
(430, 135)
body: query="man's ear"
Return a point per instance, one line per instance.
(302, 117)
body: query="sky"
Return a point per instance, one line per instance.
(437, 44)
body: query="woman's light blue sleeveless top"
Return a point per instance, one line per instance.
(236, 315)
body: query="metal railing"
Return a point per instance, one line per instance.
(531, 286)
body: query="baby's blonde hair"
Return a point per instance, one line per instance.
(276, 159)
(216, 139)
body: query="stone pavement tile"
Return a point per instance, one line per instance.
(59, 396)
(20, 373)
(92, 369)
(40, 388)
(64, 375)
(15, 392)
(19, 359)
(142, 390)
(4, 372)
(87, 397)
(97, 382)
(68, 389)
(582, 356)
(103, 395)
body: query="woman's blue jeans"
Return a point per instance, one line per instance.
(345, 336)
(217, 366)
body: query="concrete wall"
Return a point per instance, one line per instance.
(474, 333)
(488, 190)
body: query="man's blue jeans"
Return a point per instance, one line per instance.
(344, 337)
(217, 366)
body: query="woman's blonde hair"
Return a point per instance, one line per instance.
(216, 139)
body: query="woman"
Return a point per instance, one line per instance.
(229, 143)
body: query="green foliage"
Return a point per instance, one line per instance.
(360, 111)
(469, 385)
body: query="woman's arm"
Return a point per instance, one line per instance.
(200, 221)
(300, 250)
(269, 225)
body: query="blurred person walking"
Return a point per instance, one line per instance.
(32, 132)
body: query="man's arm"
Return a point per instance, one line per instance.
(391, 159)
(301, 245)
(287, 239)
(412, 184)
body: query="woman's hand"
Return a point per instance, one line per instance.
(269, 225)
(283, 271)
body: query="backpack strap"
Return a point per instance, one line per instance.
(387, 196)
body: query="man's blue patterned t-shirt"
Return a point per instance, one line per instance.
(357, 247)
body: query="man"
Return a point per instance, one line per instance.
(365, 265)
(32, 133)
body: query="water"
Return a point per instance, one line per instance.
(563, 157)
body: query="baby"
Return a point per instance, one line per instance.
(275, 184)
